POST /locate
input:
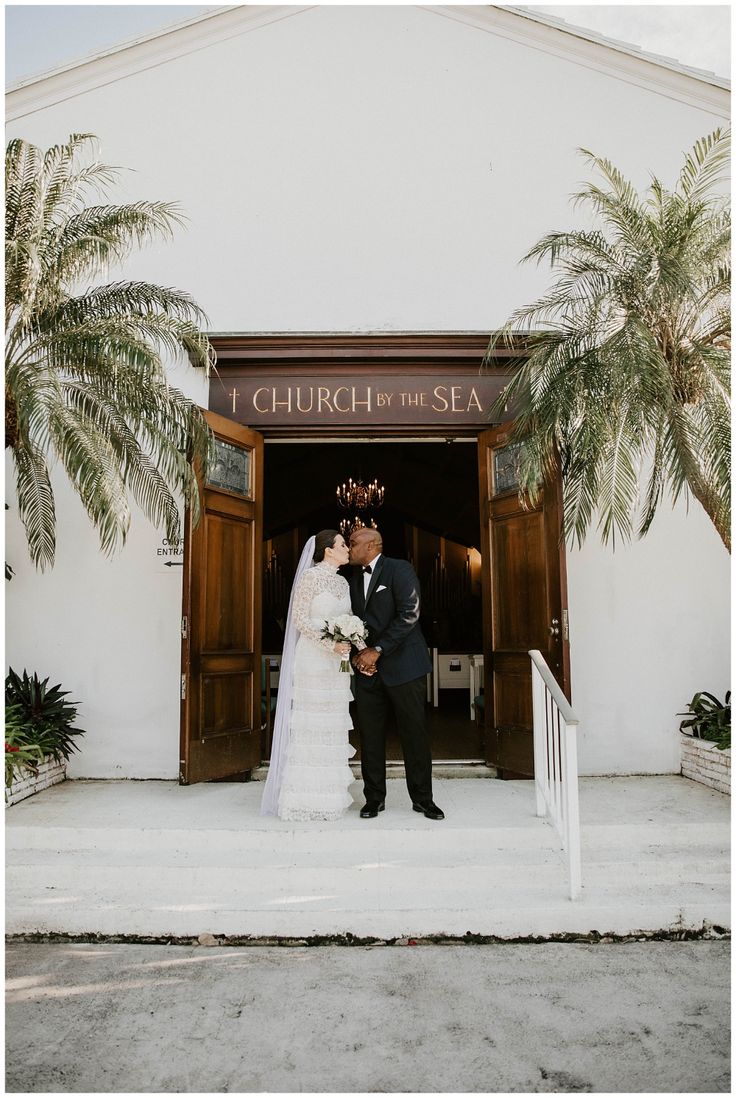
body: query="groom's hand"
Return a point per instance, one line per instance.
(366, 661)
(354, 660)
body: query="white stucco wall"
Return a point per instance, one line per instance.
(649, 626)
(107, 628)
(358, 169)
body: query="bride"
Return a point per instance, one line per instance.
(308, 775)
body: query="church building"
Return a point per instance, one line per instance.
(360, 185)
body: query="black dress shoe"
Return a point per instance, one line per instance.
(371, 809)
(430, 810)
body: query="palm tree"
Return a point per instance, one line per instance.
(85, 381)
(628, 353)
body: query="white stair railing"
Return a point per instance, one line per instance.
(556, 764)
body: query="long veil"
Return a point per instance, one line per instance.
(280, 742)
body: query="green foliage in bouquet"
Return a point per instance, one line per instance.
(710, 719)
(42, 718)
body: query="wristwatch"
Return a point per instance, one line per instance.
(377, 648)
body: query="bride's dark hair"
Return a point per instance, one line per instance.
(325, 539)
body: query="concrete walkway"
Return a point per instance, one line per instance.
(625, 1017)
(157, 859)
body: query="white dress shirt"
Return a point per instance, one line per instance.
(368, 576)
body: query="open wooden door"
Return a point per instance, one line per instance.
(524, 601)
(221, 616)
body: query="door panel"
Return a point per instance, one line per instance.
(512, 699)
(517, 569)
(229, 562)
(524, 597)
(226, 705)
(221, 681)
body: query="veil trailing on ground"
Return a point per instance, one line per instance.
(280, 740)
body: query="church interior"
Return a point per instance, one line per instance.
(427, 513)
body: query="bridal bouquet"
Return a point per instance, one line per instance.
(346, 627)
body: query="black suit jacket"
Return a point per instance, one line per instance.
(391, 612)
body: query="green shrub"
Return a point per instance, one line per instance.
(710, 719)
(19, 754)
(39, 716)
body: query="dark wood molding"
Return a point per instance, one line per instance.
(333, 352)
(282, 356)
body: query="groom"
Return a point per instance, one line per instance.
(391, 673)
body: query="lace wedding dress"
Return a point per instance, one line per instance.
(316, 773)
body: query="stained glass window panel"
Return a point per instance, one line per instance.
(506, 468)
(231, 468)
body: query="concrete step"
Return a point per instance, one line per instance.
(469, 851)
(307, 841)
(154, 859)
(417, 838)
(362, 900)
(381, 880)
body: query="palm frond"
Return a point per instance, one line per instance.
(627, 352)
(36, 504)
(86, 368)
(618, 493)
(90, 462)
(705, 165)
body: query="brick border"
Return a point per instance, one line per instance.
(26, 783)
(703, 762)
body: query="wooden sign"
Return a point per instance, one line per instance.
(413, 399)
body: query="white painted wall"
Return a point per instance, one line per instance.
(107, 628)
(649, 626)
(369, 169)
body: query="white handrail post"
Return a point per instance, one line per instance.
(573, 809)
(556, 753)
(556, 764)
(537, 711)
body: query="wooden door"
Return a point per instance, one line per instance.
(221, 618)
(524, 601)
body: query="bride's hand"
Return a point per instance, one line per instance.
(341, 649)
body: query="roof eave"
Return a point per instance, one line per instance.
(703, 90)
(622, 47)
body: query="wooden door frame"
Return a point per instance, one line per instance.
(442, 353)
(556, 487)
(188, 696)
(550, 507)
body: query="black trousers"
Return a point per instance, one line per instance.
(374, 701)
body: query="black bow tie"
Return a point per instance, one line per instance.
(367, 568)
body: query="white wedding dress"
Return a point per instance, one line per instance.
(316, 774)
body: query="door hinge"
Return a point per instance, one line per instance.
(184, 628)
(183, 688)
(565, 626)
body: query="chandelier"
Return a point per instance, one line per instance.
(356, 496)
(347, 526)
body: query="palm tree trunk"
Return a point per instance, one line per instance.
(713, 507)
(709, 499)
(11, 420)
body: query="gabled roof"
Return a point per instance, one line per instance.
(523, 25)
(623, 47)
(119, 47)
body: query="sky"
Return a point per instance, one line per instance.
(695, 34)
(40, 37)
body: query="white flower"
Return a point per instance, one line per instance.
(350, 625)
(346, 627)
